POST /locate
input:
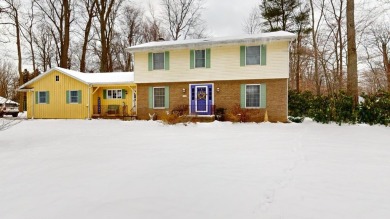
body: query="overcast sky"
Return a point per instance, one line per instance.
(223, 17)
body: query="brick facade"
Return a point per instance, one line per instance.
(227, 97)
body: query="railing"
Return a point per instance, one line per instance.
(112, 110)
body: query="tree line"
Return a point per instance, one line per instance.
(334, 37)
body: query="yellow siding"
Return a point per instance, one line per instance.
(57, 107)
(225, 65)
(104, 102)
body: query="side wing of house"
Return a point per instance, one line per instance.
(58, 96)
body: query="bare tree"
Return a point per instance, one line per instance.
(106, 15)
(8, 75)
(43, 41)
(28, 33)
(13, 7)
(314, 34)
(183, 18)
(352, 74)
(378, 48)
(131, 34)
(252, 24)
(89, 10)
(152, 27)
(59, 14)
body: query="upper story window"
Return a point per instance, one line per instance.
(114, 94)
(158, 61)
(57, 78)
(252, 55)
(200, 58)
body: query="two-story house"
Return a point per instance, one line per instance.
(204, 74)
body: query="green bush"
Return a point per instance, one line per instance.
(375, 109)
(299, 103)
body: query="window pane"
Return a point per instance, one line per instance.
(42, 97)
(253, 96)
(158, 61)
(74, 96)
(109, 94)
(159, 97)
(200, 58)
(119, 94)
(253, 55)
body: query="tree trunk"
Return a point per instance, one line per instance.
(65, 47)
(18, 45)
(85, 43)
(297, 68)
(386, 64)
(352, 75)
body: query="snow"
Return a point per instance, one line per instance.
(262, 37)
(3, 100)
(104, 78)
(101, 78)
(145, 169)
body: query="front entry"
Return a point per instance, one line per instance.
(201, 99)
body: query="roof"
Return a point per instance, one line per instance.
(5, 100)
(216, 41)
(91, 78)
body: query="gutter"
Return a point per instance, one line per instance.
(208, 43)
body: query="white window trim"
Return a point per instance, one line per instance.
(39, 97)
(70, 97)
(57, 76)
(112, 98)
(205, 58)
(153, 61)
(259, 55)
(253, 107)
(164, 99)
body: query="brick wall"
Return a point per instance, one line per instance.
(227, 97)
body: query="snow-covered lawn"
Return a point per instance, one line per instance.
(147, 170)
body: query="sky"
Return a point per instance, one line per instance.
(223, 17)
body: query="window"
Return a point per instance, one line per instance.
(158, 97)
(252, 55)
(158, 61)
(74, 96)
(57, 78)
(42, 97)
(252, 96)
(200, 58)
(114, 94)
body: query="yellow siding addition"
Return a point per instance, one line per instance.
(57, 107)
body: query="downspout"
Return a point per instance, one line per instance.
(33, 103)
(89, 100)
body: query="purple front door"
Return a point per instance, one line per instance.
(201, 99)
